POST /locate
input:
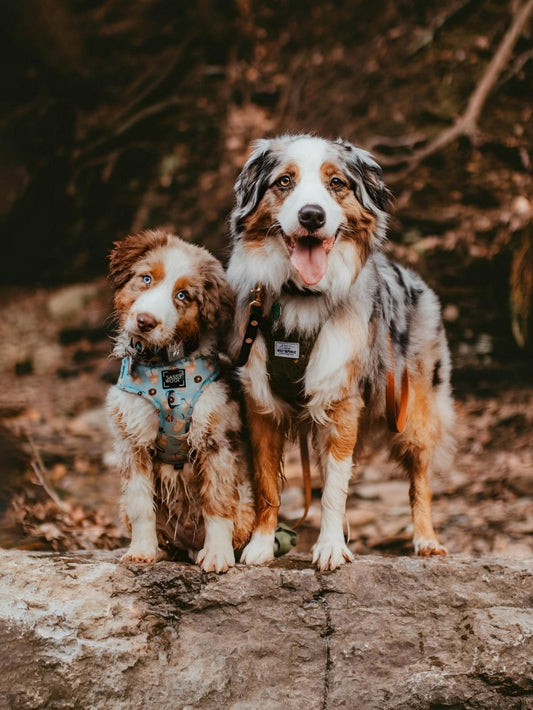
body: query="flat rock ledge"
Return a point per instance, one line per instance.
(83, 631)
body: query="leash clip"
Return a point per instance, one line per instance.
(257, 301)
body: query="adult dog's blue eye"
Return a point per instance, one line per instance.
(182, 296)
(147, 279)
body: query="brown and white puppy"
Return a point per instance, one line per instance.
(309, 225)
(176, 428)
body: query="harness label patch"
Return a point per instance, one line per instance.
(290, 350)
(173, 378)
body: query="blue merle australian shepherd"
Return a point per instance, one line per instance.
(338, 326)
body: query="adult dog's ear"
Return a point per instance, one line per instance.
(127, 252)
(253, 182)
(366, 178)
(366, 182)
(217, 301)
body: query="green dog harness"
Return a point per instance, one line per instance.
(173, 389)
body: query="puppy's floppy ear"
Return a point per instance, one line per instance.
(216, 300)
(253, 182)
(366, 178)
(127, 252)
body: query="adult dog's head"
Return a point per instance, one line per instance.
(167, 291)
(307, 210)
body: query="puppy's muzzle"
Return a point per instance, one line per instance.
(146, 322)
(312, 217)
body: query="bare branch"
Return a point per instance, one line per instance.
(39, 469)
(466, 123)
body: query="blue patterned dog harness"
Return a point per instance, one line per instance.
(173, 388)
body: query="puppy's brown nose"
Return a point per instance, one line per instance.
(146, 321)
(312, 217)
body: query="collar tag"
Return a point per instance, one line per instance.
(288, 350)
(175, 352)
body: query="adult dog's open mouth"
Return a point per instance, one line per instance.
(309, 256)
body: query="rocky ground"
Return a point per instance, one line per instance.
(80, 630)
(60, 491)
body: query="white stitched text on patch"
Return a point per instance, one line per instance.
(291, 350)
(173, 378)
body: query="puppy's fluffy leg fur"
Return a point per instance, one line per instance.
(138, 499)
(214, 423)
(217, 553)
(135, 424)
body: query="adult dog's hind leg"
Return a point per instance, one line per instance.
(267, 437)
(415, 448)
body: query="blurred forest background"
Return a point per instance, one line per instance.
(118, 116)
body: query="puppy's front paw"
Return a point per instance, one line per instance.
(143, 555)
(427, 548)
(328, 555)
(259, 550)
(215, 560)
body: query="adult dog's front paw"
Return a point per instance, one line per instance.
(215, 560)
(259, 550)
(142, 555)
(427, 548)
(328, 555)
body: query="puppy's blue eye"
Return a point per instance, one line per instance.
(182, 296)
(147, 279)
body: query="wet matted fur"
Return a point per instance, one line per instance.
(172, 296)
(309, 224)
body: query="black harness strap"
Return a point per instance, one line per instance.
(255, 317)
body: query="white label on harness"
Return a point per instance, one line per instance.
(282, 349)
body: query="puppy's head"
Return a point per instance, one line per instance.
(309, 196)
(167, 290)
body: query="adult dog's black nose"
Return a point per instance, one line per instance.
(145, 322)
(312, 217)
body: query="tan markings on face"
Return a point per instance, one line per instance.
(188, 325)
(345, 418)
(126, 296)
(259, 223)
(157, 271)
(124, 300)
(360, 222)
(329, 170)
(130, 251)
(291, 170)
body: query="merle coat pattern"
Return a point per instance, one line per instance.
(309, 224)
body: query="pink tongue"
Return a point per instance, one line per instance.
(310, 260)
